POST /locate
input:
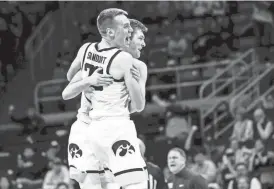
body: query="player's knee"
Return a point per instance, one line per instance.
(141, 185)
(77, 175)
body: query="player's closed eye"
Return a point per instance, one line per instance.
(126, 26)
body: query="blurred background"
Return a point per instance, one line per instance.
(209, 91)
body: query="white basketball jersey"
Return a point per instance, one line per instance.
(109, 101)
(86, 106)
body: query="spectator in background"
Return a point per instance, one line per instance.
(243, 182)
(58, 174)
(4, 183)
(177, 46)
(34, 12)
(260, 156)
(52, 153)
(17, 29)
(33, 123)
(243, 129)
(31, 168)
(227, 167)
(8, 39)
(242, 171)
(268, 102)
(205, 167)
(237, 151)
(263, 128)
(181, 175)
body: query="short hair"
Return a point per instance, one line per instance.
(105, 18)
(181, 151)
(135, 24)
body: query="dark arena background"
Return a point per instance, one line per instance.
(210, 87)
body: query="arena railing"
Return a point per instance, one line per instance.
(232, 70)
(248, 98)
(40, 44)
(50, 91)
(243, 67)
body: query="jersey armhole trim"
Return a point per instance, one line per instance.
(111, 59)
(85, 56)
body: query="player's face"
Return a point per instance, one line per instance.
(137, 43)
(122, 31)
(175, 161)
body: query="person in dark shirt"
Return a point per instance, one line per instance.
(156, 177)
(182, 178)
(33, 124)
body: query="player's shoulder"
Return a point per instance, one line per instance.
(85, 46)
(140, 63)
(124, 59)
(124, 55)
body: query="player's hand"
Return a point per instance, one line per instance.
(135, 73)
(98, 79)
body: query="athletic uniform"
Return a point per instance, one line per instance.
(111, 134)
(79, 153)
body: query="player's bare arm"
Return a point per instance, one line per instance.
(121, 68)
(140, 69)
(139, 73)
(76, 64)
(79, 84)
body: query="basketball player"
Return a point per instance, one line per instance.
(139, 72)
(139, 69)
(110, 116)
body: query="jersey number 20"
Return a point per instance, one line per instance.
(91, 68)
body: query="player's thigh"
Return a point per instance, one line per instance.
(81, 154)
(120, 148)
(126, 161)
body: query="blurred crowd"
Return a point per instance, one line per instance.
(180, 33)
(17, 21)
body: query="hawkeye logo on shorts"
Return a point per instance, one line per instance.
(75, 151)
(122, 147)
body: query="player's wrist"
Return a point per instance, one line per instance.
(89, 81)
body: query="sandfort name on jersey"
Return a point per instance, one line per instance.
(96, 58)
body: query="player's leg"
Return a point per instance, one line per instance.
(125, 159)
(119, 150)
(83, 165)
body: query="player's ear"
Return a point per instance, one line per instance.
(110, 32)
